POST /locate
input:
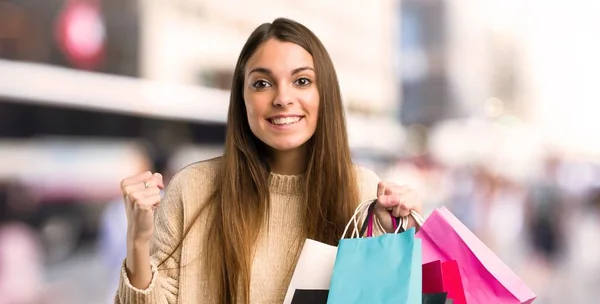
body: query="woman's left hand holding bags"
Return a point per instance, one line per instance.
(399, 200)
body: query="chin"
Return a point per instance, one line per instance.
(286, 146)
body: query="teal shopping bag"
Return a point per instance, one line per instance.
(381, 269)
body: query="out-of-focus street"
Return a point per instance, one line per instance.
(82, 278)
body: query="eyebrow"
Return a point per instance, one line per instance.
(269, 72)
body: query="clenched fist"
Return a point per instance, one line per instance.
(400, 200)
(142, 196)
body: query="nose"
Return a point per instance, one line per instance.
(284, 97)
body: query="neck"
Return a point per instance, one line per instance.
(288, 162)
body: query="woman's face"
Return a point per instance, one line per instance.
(281, 96)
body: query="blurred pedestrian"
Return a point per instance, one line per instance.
(21, 265)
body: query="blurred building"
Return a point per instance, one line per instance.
(454, 66)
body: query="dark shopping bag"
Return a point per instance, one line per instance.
(310, 296)
(436, 298)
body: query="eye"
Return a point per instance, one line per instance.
(303, 82)
(261, 84)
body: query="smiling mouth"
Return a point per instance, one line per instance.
(285, 121)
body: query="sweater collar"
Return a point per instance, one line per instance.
(285, 184)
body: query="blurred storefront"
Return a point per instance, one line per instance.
(97, 35)
(76, 117)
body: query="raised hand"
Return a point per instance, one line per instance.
(141, 193)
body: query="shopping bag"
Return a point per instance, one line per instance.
(310, 296)
(313, 270)
(378, 269)
(436, 298)
(441, 276)
(485, 278)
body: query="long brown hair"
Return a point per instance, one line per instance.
(240, 202)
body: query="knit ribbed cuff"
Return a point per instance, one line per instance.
(130, 294)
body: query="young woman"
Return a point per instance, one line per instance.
(229, 230)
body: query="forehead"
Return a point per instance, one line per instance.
(279, 57)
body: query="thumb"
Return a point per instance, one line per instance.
(159, 180)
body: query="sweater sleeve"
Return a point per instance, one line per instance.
(164, 287)
(367, 183)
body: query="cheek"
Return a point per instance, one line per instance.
(253, 120)
(312, 107)
(256, 109)
(252, 109)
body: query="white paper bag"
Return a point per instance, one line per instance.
(314, 268)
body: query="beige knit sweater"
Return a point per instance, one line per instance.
(182, 280)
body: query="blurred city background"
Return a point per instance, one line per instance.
(488, 107)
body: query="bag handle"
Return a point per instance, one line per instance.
(371, 224)
(363, 229)
(399, 224)
(367, 225)
(360, 210)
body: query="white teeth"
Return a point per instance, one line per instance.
(285, 120)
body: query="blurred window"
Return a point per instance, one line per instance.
(16, 34)
(426, 95)
(219, 79)
(8, 48)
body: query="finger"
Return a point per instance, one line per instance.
(388, 201)
(140, 186)
(139, 195)
(412, 201)
(381, 187)
(136, 179)
(155, 201)
(412, 223)
(397, 190)
(148, 203)
(155, 206)
(159, 180)
(401, 210)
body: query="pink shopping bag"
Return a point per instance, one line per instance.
(485, 278)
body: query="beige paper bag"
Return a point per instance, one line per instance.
(314, 268)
